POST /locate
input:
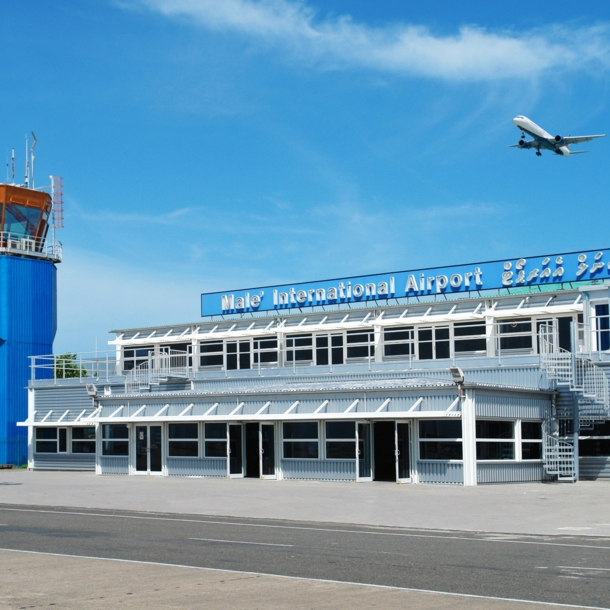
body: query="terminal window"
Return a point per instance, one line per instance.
(341, 440)
(301, 440)
(440, 439)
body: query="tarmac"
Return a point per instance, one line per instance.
(526, 508)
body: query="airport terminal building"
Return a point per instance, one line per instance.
(483, 373)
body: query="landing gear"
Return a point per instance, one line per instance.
(538, 153)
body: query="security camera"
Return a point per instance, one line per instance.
(91, 389)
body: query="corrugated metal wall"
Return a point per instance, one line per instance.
(512, 406)
(513, 472)
(59, 399)
(28, 321)
(56, 461)
(114, 465)
(441, 472)
(191, 467)
(593, 468)
(326, 470)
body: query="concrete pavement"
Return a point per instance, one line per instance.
(529, 508)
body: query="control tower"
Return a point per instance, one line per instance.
(28, 301)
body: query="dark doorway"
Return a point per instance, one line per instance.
(155, 449)
(141, 448)
(252, 451)
(564, 329)
(268, 448)
(385, 451)
(235, 453)
(402, 434)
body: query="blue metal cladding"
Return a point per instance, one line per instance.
(28, 322)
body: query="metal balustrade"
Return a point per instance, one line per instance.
(170, 364)
(37, 247)
(588, 381)
(559, 458)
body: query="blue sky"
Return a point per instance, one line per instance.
(215, 144)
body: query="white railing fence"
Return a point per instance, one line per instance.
(559, 458)
(170, 364)
(17, 243)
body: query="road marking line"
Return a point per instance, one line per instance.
(581, 568)
(323, 580)
(313, 529)
(240, 542)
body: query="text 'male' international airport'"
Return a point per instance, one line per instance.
(489, 372)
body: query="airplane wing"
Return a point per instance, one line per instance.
(578, 139)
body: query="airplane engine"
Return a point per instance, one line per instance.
(522, 144)
(559, 139)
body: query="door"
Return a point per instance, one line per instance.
(236, 467)
(253, 468)
(268, 451)
(403, 450)
(363, 453)
(149, 449)
(384, 451)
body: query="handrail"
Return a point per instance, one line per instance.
(37, 247)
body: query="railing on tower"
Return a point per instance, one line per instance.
(19, 244)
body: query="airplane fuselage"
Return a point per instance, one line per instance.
(542, 138)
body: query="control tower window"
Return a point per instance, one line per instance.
(21, 221)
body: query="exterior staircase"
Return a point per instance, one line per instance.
(158, 369)
(591, 389)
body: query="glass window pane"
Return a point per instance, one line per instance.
(215, 360)
(46, 433)
(115, 448)
(495, 429)
(183, 431)
(441, 333)
(110, 431)
(83, 446)
(470, 345)
(531, 429)
(515, 326)
(21, 221)
(398, 334)
(442, 349)
(216, 448)
(298, 430)
(468, 329)
(216, 431)
(360, 351)
(436, 450)
(46, 446)
(341, 450)
(321, 341)
(531, 451)
(340, 429)
(425, 351)
(336, 340)
(594, 447)
(424, 334)
(440, 428)
(398, 349)
(495, 451)
(83, 433)
(183, 448)
(301, 450)
(205, 348)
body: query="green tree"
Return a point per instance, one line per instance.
(66, 366)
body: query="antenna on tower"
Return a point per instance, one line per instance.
(27, 162)
(13, 167)
(33, 157)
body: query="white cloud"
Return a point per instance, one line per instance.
(472, 54)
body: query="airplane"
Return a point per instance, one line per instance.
(558, 144)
